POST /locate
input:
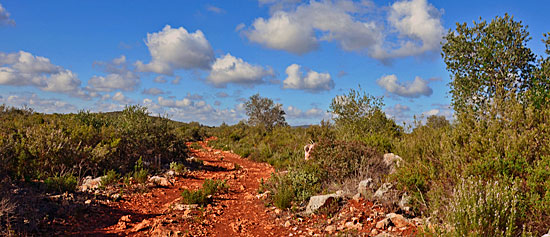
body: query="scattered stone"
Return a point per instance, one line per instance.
(392, 161)
(404, 202)
(287, 224)
(383, 190)
(145, 224)
(89, 183)
(398, 220)
(181, 207)
(340, 193)
(277, 211)
(365, 186)
(88, 202)
(126, 218)
(383, 223)
(170, 173)
(357, 197)
(263, 195)
(317, 202)
(373, 232)
(157, 180)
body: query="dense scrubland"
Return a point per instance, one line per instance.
(485, 172)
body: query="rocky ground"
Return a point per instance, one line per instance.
(241, 211)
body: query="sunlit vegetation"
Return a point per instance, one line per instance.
(485, 172)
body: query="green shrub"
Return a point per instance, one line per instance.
(480, 208)
(203, 196)
(194, 197)
(140, 174)
(178, 167)
(211, 187)
(283, 197)
(342, 160)
(110, 178)
(61, 184)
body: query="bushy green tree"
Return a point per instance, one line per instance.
(359, 116)
(490, 60)
(264, 112)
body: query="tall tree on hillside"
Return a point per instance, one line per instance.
(264, 112)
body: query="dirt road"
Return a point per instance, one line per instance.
(159, 212)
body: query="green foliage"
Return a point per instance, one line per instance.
(110, 178)
(282, 199)
(38, 146)
(264, 112)
(203, 196)
(178, 167)
(480, 208)
(61, 184)
(359, 116)
(194, 197)
(488, 60)
(140, 174)
(211, 187)
(342, 160)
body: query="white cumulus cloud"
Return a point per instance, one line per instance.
(230, 69)
(410, 27)
(419, 24)
(284, 32)
(24, 69)
(37, 103)
(175, 48)
(119, 77)
(413, 89)
(312, 81)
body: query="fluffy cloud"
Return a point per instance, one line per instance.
(419, 23)
(174, 103)
(399, 113)
(229, 69)
(39, 104)
(175, 48)
(5, 17)
(153, 91)
(440, 110)
(24, 69)
(187, 110)
(119, 77)
(121, 98)
(415, 89)
(297, 116)
(312, 81)
(284, 32)
(414, 28)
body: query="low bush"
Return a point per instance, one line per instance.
(204, 196)
(61, 184)
(480, 208)
(109, 178)
(178, 167)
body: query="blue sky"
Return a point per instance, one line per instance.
(199, 60)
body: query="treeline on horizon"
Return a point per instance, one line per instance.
(485, 173)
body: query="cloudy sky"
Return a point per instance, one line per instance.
(199, 60)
